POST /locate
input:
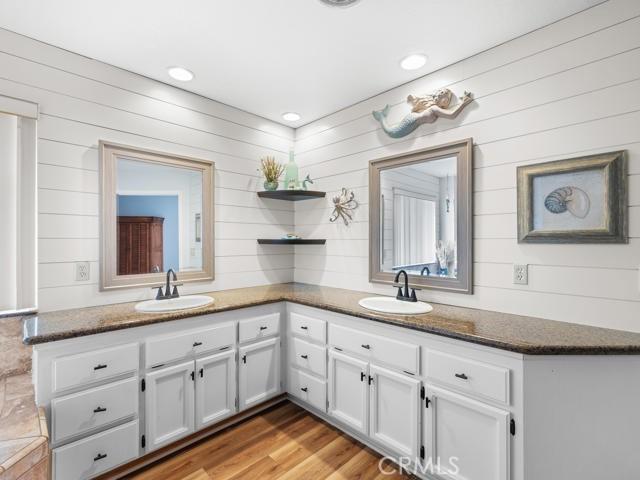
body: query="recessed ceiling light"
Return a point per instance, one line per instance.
(339, 3)
(180, 73)
(291, 116)
(413, 61)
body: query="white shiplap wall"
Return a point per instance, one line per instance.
(83, 101)
(568, 89)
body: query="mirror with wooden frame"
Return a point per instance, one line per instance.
(420, 217)
(157, 214)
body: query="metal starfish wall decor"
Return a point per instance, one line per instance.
(344, 204)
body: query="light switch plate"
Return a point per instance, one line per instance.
(520, 274)
(83, 273)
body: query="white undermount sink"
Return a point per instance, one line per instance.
(392, 305)
(174, 304)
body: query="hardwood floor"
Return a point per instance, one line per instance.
(284, 442)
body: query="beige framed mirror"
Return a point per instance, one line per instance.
(157, 214)
(421, 217)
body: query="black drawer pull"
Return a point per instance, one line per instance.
(367, 346)
(197, 344)
(304, 389)
(99, 367)
(462, 376)
(224, 348)
(305, 356)
(99, 409)
(304, 328)
(263, 328)
(100, 456)
(362, 376)
(202, 373)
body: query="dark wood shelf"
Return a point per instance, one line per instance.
(290, 241)
(292, 195)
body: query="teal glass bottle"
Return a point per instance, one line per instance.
(291, 181)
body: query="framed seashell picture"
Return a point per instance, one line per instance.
(578, 200)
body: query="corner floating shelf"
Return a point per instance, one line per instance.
(292, 195)
(290, 241)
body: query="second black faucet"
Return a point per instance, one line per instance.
(404, 296)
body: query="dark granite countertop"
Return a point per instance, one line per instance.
(527, 335)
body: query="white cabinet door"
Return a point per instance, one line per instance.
(169, 401)
(395, 410)
(215, 388)
(259, 376)
(349, 391)
(471, 439)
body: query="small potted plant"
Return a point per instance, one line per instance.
(272, 171)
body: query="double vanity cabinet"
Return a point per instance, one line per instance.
(444, 408)
(401, 393)
(114, 397)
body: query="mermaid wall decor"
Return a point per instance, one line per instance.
(424, 109)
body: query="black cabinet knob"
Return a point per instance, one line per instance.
(367, 346)
(99, 409)
(462, 376)
(197, 344)
(304, 356)
(263, 328)
(304, 389)
(304, 328)
(100, 456)
(100, 367)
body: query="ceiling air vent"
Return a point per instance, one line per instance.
(339, 3)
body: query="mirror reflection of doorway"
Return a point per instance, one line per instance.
(148, 233)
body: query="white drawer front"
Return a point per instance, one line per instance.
(309, 356)
(171, 347)
(94, 455)
(472, 376)
(259, 327)
(308, 327)
(401, 355)
(84, 411)
(90, 367)
(214, 338)
(308, 389)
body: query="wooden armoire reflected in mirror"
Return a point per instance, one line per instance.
(140, 245)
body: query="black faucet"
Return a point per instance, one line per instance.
(404, 296)
(425, 269)
(167, 292)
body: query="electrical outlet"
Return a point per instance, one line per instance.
(82, 271)
(521, 274)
